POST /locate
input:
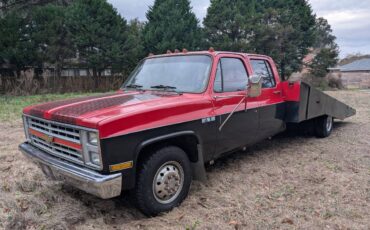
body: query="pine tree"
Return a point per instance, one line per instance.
(285, 31)
(49, 32)
(228, 24)
(99, 34)
(33, 33)
(282, 29)
(326, 48)
(324, 37)
(17, 49)
(326, 58)
(135, 41)
(171, 25)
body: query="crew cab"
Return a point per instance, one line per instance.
(175, 113)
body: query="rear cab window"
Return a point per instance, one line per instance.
(262, 67)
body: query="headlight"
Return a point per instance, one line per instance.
(91, 149)
(95, 158)
(93, 138)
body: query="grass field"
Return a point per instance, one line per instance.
(11, 106)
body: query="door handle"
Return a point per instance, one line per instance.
(278, 92)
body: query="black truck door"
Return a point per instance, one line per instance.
(236, 126)
(271, 104)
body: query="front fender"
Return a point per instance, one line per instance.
(165, 137)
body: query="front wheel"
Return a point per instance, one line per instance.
(163, 181)
(323, 126)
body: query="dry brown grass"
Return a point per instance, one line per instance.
(285, 183)
(31, 85)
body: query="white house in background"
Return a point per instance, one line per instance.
(82, 72)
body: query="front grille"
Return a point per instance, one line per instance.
(57, 131)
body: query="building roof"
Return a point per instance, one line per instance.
(359, 65)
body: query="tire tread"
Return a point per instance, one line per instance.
(141, 199)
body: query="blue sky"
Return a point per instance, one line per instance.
(350, 19)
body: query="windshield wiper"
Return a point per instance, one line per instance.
(167, 88)
(134, 86)
(164, 87)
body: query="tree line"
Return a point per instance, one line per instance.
(35, 33)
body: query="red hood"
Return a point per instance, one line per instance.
(96, 111)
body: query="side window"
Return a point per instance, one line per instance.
(231, 76)
(263, 68)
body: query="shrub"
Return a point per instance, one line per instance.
(335, 81)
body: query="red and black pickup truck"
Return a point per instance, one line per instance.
(175, 113)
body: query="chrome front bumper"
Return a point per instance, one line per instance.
(103, 186)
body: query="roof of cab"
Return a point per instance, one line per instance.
(208, 52)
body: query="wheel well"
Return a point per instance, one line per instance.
(188, 143)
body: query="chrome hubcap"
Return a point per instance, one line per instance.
(329, 123)
(168, 182)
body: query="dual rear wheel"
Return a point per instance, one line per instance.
(323, 126)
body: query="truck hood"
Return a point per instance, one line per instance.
(97, 110)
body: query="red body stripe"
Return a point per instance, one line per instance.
(68, 143)
(37, 133)
(56, 140)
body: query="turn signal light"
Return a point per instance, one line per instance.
(121, 166)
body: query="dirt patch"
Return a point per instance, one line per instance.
(287, 182)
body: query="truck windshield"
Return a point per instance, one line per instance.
(188, 74)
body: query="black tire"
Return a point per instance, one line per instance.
(323, 126)
(147, 192)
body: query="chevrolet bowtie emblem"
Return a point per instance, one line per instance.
(48, 139)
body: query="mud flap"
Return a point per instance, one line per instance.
(199, 171)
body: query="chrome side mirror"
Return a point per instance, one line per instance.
(255, 86)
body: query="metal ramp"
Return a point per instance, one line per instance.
(313, 103)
